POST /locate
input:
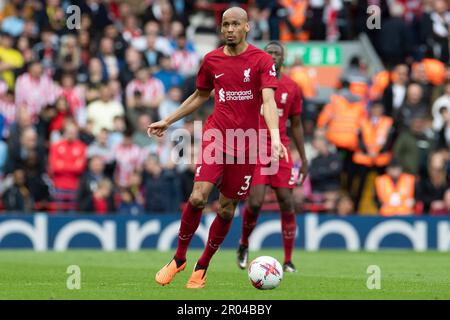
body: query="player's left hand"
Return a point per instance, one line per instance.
(303, 173)
(279, 151)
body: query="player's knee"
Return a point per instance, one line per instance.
(254, 205)
(286, 204)
(198, 199)
(226, 211)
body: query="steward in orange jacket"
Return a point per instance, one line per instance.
(395, 191)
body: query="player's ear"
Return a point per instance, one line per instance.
(247, 27)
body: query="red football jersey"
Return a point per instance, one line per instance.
(289, 102)
(238, 82)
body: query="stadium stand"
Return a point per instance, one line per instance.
(92, 88)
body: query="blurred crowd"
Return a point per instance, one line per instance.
(75, 104)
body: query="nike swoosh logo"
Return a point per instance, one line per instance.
(218, 75)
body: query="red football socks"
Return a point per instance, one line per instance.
(217, 233)
(190, 219)
(248, 224)
(288, 230)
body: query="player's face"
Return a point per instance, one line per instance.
(234, 29)
(277, 55)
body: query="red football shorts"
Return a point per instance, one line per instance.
(232, 179)
(285, 177)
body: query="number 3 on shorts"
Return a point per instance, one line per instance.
(245, 187)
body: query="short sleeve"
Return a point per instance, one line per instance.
(204, 77)
(297, 103)
(267, 72)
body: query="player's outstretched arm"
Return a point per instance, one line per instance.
(195, 101)
(271, 118)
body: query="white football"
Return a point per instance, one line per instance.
(265, 273)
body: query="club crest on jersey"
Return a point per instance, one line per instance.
(221, 95)
(284, 97)
(273, 73)
(247, 75)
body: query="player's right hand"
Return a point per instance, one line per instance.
(157, 128)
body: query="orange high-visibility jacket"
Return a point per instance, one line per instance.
(300, 75)
(374, 138)
(396, 199)
(380, 81)
(435, 70)
(341, 119)
(297, 18)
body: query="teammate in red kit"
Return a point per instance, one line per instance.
(243, 77)
(289, 104)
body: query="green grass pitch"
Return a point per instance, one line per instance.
(127, 275)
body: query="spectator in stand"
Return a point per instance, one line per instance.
(3, 157)
(101, 148)
(36, 178)
(413, 144)
(10, 59)
(151, 52)
(140, 136)
(62, 114)
(444, 133)
(8, 108)
(375, 141)
(112, 66)
(128, 203)
(116, 135)
(128, 159)
(86, 49)
(35, 90)
(171, 103)
(89, 181)
(168, 75)
(102, 111)
(325, 171)
(431, 189)
(94, 80)
(184, 62)
(131, 28)
(75, 96)
(144, 94)
(160, 187)
(439, 106)
(395, 191)
(19, 153)
(395, 93)
(120, 45)
(259, 25)
(101, 200)
(435, 33)
(133, 62)
(18, 197)
(47, 49)
(395, 38)
(413, 104)
(67, 161)
(69, 55)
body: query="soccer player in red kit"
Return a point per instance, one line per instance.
(243, 78)
(289, 103)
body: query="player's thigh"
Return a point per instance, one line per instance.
(285, 199)
(236, 180)
(227, 206)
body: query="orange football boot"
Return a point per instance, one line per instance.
(166, 274)
(197, 279)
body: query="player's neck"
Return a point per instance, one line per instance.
(235, 50)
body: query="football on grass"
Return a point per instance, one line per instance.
(265, 273)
